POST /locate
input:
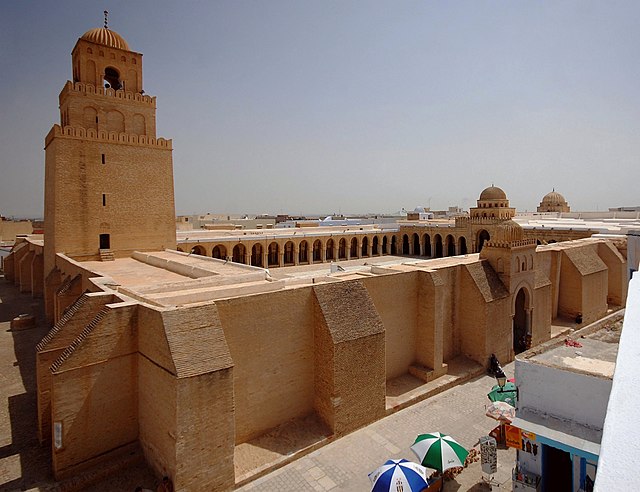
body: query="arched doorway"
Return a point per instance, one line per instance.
(317, 250)
(354, 248)
(288, 253)
(198, 250)
(451, 245)
(374, 246)
(272, 254)
(256, 255)
(416, 244)
(405, 244)
(394, 245)
(385, 247)
(238, 253)
(438, 240)
(426, 239)
(462, 245)
(365, 246)
(483, 237)
(342, 249)
(303, 254)
(520, 322)
(329, 250)
(219, 251)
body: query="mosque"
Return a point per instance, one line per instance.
(188, 355)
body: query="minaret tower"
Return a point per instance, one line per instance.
(108, 179)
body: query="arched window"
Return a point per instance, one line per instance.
(517, 263)
(405, 244)
(374, 246)
(426, 239)
(451, 245)
(462, 245)
(438, 244)
(365, 246)
(198, 250)
(416, 244)
(394, 245)
(112, 78)
(385, 249)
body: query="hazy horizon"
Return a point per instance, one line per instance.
(353, 107)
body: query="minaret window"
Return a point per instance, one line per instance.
(103, 159)
(112, 78)
(104, 200)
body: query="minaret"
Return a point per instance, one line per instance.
(108, 179)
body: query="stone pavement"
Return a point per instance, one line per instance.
(345, 463)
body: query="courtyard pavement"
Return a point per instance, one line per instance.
(340, 465)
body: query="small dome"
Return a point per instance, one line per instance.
(419, 210)
(508, 231)
(106, 37)
(553, 197)
(493, 193)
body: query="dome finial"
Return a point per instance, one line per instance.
(106, 19)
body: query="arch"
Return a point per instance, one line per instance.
(451, 245)
(416, 244)
(342, 249)
(521, 320)
(426, 240)
(530, 262)
(500, 265)
(538, 242)
(385, 246)
(288, 253)
(112, 78)
(517, 264)
(365, 246)
(375, 251)
(198, 250)
(180, 249)
(237, 255)
(91, 72)
(437, 239)
(256, 255)
(90, 118)
(115, 121)
(405, 244)
(272, 254)
(353, 253)
(138, 125)
(90, 51)
(483, 237)
(329, 250)
(303, 252)
(462, 245)
(551, 241)
(317, 250)
(219, 251)
(394, 245)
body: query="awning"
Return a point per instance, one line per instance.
(553, 432)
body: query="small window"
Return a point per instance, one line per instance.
(90, 51)
(134, 61)
(123, 58)
(96, 119)
(104, 200)
(103, 159)
(101, 53)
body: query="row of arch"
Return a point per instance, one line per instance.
(276, 253)
(115, 121)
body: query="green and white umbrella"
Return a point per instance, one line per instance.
(439, 451)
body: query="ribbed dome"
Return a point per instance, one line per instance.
(508, 231)
(106, 37)
(553, 197)
(493, 193)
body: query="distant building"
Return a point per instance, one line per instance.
(553, 202)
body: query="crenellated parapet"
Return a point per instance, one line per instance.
(89, 89)
(110, 137)
(511, 244)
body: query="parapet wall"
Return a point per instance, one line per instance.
(80, 133)
(81, 88)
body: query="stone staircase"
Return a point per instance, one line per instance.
(106, 255)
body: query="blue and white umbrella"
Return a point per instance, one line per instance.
(399, 475)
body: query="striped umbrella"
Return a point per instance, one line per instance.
(397, 475)
(439, 451)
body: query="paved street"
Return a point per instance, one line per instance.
(344, 464)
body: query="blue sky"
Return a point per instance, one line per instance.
(342, 106)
